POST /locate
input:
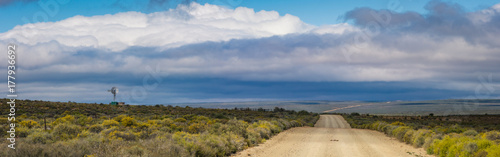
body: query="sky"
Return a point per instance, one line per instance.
(183, 51)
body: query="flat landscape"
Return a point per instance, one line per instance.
(409, 108)
(332, 136)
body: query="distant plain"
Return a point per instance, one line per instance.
(410, 108)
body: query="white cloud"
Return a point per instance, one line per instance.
(184, 25)
(485, 15)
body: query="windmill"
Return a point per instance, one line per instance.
(113, 90)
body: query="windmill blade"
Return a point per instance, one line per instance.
(114, 90)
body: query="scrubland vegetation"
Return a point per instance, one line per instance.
(78, 129)
(443, 136)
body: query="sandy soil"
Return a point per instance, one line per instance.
(332, 136)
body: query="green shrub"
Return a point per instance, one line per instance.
(470, 132)
(492, 135)
(484, 143)
(166, 122)
(388, 129)
(119, 118)
(164, 147)
(66, 131)
(400, 132)
(136, 151)
(187, 140)
(22, 131)
(110, 123)
(127, 136)
(84, 121)
(236, 126)
(441, 147)
(470, 148)
(128, 121)
(180, 120)
(28, 123)
(398, 123)
(493, 151)
(3, 120)
(96, 128)
(429, 140)
(197, 127)
(420, 136)
(408, 137)
(253, 137)
(65, 119)
(40, 136)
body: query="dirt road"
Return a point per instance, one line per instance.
(332, 136)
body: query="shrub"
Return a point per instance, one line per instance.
(180, 120)
(84, 134)
(398, 123)
(470, 132)
(430, 140)
(236, 142)
(136, 150)
(65, 131)
(128, 121)
(236, 126)
(408, 137)
(3, 120)
(196, 127)
(22, 131)
(65, 119)
(492, 135)
(110, 123)
(127, 136)
(40, 136)
(120, 135)
(484, 143)
(379, 125)
(83, 121)
(470, 148)
(28, 123)
(210, 145)
(96, 128)
(143, 127)
(119, 118)
(166, 122)
(400, 132)
(493, 151)
(419, 137)
(454, 129)
(441, 147)
(389, 128)
(142, 135)
(165, 147)
(186, 139)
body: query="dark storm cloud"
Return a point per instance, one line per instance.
(444, 19)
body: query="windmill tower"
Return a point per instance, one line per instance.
(114, 91)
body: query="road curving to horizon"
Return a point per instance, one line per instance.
(332, 136)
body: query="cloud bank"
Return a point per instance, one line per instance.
(189, 24)
(444, 50)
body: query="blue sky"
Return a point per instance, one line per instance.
(218, 51)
